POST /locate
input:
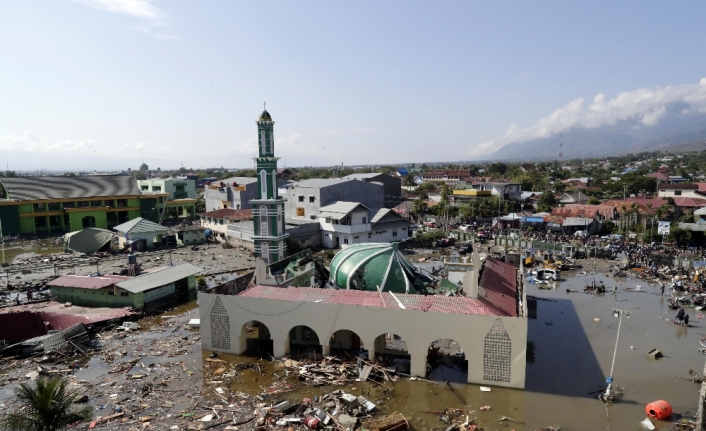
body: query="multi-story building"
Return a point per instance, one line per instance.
(392, 186)
(181, 198)
(304, 198)
(52, 204)
(234, 193)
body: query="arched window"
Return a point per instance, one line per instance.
(280, 213)
(274, 183)
(264, 231)
(263, 184)
(263, 143)
(265, 252)
(272, 142)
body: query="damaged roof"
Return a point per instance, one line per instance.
(40, 188)
(88, 240)
(86, 282)
(140, 225)
(159, 278)
(498, 286)
(427, 303)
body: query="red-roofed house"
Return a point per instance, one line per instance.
(661, 177)
(490, 328)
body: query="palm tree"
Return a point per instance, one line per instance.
(47, 405)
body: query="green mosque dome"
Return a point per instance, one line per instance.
(375, 266)
(265, 116)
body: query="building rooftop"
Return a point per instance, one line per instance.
(85, 282)
(40, 188)
(317, 183)
(689, 186)
(363, 176)
(88, 240)
(140, 225)
(340, 208)
(159, 278)
(498, 286)
(373, 267)
(426, 303)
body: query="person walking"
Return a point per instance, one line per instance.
(661, 289)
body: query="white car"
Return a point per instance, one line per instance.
(548, 274)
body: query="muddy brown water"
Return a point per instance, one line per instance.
(41, 247)
(572, 358)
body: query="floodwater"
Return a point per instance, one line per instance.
(572, 359)
(44, 247)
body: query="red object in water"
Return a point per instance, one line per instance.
(659, 409)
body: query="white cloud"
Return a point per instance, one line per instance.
(645, 106)
(151, 16)
(29, 142)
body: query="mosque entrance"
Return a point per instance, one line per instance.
(446, 360)
(258, 340)
(347, 342)
(303, 341)
(393, 349)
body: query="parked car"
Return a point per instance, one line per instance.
(548, 274)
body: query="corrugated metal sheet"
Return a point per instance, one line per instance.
(85, 282)
(498, 286)
(429, 303)
(317, 183)
(88, 240)
(159, 278)
(340, 208)
(140, 225)
(37, 188)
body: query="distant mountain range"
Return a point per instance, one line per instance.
(676, 132)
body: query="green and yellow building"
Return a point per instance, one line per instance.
(47, 204)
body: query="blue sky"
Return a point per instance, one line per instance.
(104, 84)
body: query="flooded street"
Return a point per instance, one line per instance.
(44, 247)
(575, 336)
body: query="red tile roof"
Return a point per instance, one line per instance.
(701, 186)
(577, 210)
(498, 286)
(434, 303)
(658, 176)
(230, 214)
(84, 282)
(689, 202)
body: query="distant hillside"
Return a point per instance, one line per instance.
(677, 132)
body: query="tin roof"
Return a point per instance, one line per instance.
(498, 286)
(340, 209)
(38, 188)
(85, 282)
(88, 240)
(159, 278)
(140, 225)
(427, 303)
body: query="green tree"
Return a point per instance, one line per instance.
(47, 405)
(409, 181)
(546, 202)
(419, 206)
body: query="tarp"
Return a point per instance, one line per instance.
(699, 264)
(533, 219)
